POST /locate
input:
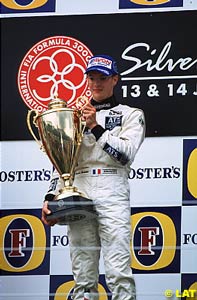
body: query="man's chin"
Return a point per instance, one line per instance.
(98, 97)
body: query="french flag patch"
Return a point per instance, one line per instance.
(96, 171)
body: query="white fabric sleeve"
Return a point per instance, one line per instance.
(124, 147)
(56, 184)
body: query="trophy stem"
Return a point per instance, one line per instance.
(68, 189)
(68, 180)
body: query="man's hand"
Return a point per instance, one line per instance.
(89, 114)
(45, 212)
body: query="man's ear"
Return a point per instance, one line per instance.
(115, 78)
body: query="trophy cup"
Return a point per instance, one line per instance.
(61, 131)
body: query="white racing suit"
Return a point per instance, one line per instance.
(102, 174)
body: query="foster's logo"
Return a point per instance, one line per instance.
(24, 243)
(149, 3)
(21, 6)
(190, 171)
(155, 239)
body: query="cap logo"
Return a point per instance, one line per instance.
(101, 62)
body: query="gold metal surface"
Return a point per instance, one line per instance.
(61, 131)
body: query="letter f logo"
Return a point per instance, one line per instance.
(148, 239)
(18, 241)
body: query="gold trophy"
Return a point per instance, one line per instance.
(61, 131)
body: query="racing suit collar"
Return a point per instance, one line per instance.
(106, 104)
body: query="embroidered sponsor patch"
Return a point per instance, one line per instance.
(141, 121)
(112, 121)
(53, 185)
(104, 171)
(102, 106)
(97, 171)
(115, 154)
(114, 112)
(100, 61)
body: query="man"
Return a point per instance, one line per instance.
(115, 133)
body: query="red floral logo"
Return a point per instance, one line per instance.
(54, 67)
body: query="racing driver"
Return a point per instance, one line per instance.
(113, 137)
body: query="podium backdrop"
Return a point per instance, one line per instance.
(46, 48)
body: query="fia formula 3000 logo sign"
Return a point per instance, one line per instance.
(54, 67)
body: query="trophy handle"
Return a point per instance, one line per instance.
(30, 112)
(80, 103)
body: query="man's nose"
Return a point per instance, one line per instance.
(97, 81)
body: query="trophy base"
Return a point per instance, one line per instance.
(71, 209)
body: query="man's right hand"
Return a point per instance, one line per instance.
(45, 212)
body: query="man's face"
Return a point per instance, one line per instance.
(101, 86)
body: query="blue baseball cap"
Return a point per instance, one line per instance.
(102, 63)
